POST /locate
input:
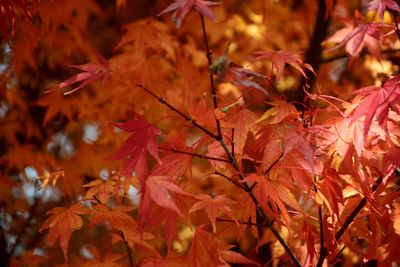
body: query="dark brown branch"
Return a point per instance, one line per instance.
(212, 84)
(349, 220)
(314, 51)
(260, 210)
(241, 222)
(233, 141)
(128, 250)
(173, 150)
(353, 215)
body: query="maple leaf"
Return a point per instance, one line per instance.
(213, 206)
(62, 222)
(10, 10)
(206, 250)
(357, 37)
(244, 123)
(134, 150)
(117, 218)
(382, 5)
(280, 59)
(91, 72)
(158, 189)
(281, 111)
(50, 177)
(181, 9)
(102, 189)
(330, 191)
(377, 102)
(149, 33)
(276, 191)
(56, 104)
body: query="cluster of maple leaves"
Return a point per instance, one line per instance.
(195, 159)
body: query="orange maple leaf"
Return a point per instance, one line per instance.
(214, 206)
(158, 189)
(62, 222)
(56, 105)
(280, 59)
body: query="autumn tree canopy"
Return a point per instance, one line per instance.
(199, 133)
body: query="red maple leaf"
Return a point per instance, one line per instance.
(280, 59)
(91, 72)
(377, 102)
(134, 150)
(355, 38)
(182, 7)
(382, 5)
(158, 189)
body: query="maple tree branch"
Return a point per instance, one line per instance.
(128, 250)
(233, 142)
(354, 213)
(212, 83)
(173, 150)
(180, 113)
(229, 179)
(314, 50)
(241, 222)
(260, 210)
(349, 220)
(234, 164)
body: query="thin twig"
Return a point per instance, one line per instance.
(241, 222)
(233, 141)
(260, 210)
(229, 179)
(173, 150)
(212, 84)
(234, 163)
(180, 113)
